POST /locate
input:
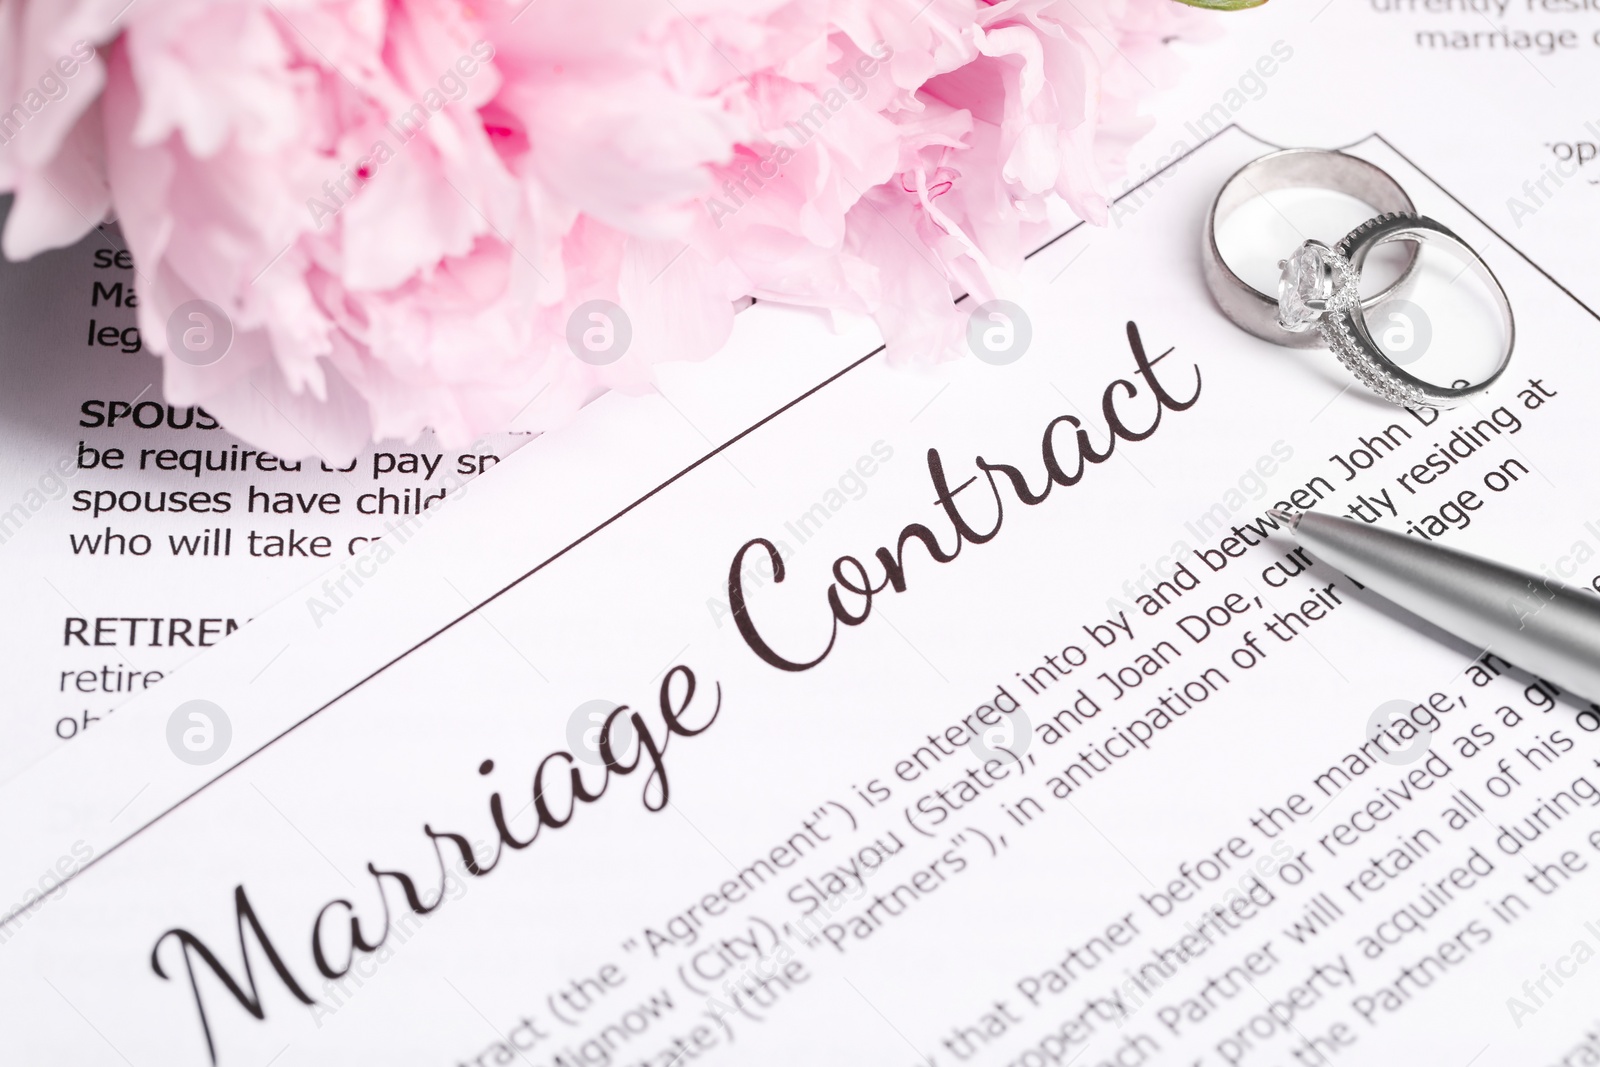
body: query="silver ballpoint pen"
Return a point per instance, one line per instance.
(1540, 625)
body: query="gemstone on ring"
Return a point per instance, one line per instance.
(1306, 286)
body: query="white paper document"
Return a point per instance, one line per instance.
(976, 715)
(135, 533)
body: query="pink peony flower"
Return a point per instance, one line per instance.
(406, 209)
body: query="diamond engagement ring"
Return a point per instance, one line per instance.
(1320, 291)
(1293, 168)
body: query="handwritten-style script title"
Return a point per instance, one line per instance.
(345, 930)
(1066, 454)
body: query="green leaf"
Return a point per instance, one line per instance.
(1223, 5)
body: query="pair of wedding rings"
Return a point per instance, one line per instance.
(1319, 297)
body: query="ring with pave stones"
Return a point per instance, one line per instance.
(1320, 290)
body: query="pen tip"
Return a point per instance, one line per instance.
(1288, 518)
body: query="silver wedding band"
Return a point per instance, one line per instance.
(1319, 296)
(1249, 308)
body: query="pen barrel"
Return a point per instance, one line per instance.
(1542, 626)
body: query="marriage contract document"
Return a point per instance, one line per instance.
(974, 715)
